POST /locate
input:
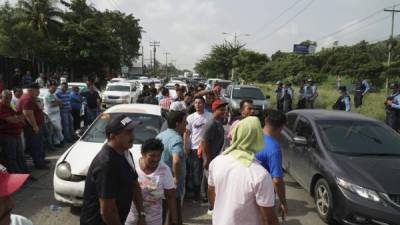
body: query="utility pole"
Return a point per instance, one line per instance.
(142, 60)
(393, 11)
(166, 63)
(151, 59)
(154, 44)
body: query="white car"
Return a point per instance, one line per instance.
(119, 93)
(72, 167)
(142, 83)
(117, 79)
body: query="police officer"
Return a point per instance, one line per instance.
(310, 94)
(361, 88)
(344, 102)
(393, 108)
(301, 104)
(287, 97)
(278, 92)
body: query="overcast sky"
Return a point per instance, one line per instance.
(188, 28)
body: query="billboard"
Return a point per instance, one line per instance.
(304, 49)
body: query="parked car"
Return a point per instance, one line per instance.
(119, 93)
(224, 83)
(234, 94)
(82, 86)
(348, 162)
(117, 79)
(71, 168)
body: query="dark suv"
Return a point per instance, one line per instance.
(234, 94)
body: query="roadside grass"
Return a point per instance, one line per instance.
(327, 95)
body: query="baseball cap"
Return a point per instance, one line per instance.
(218, 104)
(10, 183)
(120, 122)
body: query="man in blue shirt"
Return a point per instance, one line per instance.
(65, 112)
(76, 105)
(174, 155)
(393, 108)
(361, 88)
(271, 156)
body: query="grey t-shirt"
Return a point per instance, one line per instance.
(214, 134)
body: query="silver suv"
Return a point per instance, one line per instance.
(234, 94)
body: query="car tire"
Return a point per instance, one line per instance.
(323, 200)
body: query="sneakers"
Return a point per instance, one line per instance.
(210, 212)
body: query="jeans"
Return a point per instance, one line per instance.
(34, 145)
(67, 125)
(14, 154)
(204, 184)
(166, 214)
(76, 115)
(91, 115)
(195, 174)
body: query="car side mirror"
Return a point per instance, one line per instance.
(267, 96)
(299, 140)
(81, 131)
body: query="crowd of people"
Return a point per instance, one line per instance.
(29, 125)
(236, 171)
(193, 159)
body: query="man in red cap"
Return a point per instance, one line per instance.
(212, 141)
(9, 184)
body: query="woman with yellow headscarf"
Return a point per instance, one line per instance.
(240, 189)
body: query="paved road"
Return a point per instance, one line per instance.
(35, 198)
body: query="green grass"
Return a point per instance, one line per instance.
(328, 94)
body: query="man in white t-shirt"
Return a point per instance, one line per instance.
(52, 109)
(194, 132)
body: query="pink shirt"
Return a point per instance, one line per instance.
(166, 102)
(230, 131)
(239, 191)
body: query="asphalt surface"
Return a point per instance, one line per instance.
(36, 202)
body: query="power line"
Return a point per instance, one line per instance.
(116, 5)
(286, 23)
(353, 24)
(278, 17)
(361, 28)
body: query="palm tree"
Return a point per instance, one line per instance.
(42, 15)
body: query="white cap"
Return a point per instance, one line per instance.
(177, 106)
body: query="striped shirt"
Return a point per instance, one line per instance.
(66, 101)
(166, 102)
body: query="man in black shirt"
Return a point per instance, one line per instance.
(93, 104)
(111, 182)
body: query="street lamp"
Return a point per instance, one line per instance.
(236, 45)
(236, 36)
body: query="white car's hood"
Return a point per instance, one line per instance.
(82, 154)
(116, 93)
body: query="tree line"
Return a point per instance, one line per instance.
(72, 35)
(362, 60)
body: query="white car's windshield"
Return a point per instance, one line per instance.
(150, 127)
(118, 88)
